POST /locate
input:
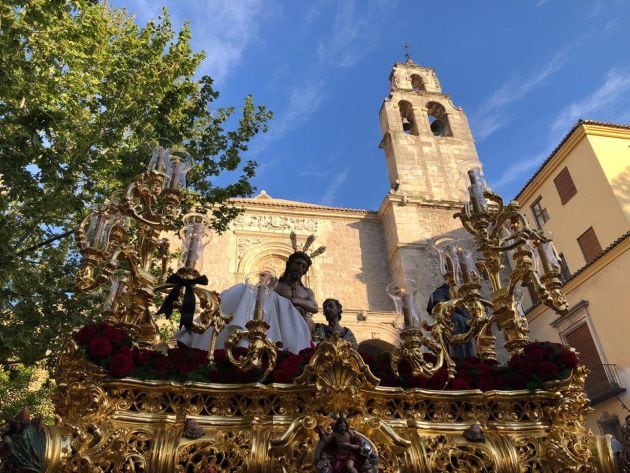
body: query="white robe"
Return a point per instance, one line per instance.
(286, 324)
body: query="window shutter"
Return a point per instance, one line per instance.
(565, 186)
(582, 340)
(589, 244)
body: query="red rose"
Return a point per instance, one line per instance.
(388, 379)
(178, 354)
(535, 355)
(514, 361)
(502, 382)
(161, 363)
(186, 366)
(219, 355)
(142, 357)
(527, 367)
(547, 370)
(113, 334)
(439, 379)
(99, 347)
(466, 376)
(200, 357)
(489, 363)
(534, 346)
(470, 362)
(519, 381)
(485, 383)
(85, 334)
(122, 365)
(307, 354)
(459, 384)
(418, 382)
(569, 358)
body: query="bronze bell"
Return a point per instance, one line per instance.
(437, 127)
(406, 124)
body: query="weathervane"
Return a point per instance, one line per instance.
(407, 49)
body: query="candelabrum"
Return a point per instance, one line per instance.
(420, 336)
(510, 254)
(503, 249)
(259, 347)
(120, 243)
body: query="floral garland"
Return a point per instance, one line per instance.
(112, 349)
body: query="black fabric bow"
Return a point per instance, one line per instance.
(188, 307)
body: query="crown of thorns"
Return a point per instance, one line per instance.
(307, 244)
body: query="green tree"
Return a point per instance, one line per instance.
(83, 89)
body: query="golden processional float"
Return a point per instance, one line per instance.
(125, 403)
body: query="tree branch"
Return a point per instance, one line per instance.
(46, 242)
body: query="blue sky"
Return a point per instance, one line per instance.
(523, 71)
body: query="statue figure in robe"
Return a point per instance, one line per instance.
(332, 312)
(288, 310)
(460, 322)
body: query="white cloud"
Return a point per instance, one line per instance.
(353, 32)
(222, 28)
(330, 193)
(617, 84)
(492, 114)
(517, 170)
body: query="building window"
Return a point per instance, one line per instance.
(540, 213)
(565, 274)
(565, 186)
(589, 244)
(603, 382)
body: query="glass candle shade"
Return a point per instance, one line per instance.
(261, 284)
(118, 291)
(180, 165)
(98, 229)
(469, 271)
(403, 296)
(476, 190)
(449, 263)
(161, 163)
(549, 259)
(195, 235)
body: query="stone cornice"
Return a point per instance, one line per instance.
(284, 207)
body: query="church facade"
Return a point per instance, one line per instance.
(428, 147)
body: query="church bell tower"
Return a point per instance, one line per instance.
(429, 147)
(427, 140)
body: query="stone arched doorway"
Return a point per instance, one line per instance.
(375, 347)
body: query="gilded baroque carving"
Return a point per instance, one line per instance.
(228, 451)
(339, 373)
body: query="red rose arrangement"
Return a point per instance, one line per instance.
(111, 348)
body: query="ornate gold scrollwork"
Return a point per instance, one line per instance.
(228, 451)
(339, 374)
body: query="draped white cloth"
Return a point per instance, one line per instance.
(286, 324)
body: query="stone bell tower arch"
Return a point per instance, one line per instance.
(426, 138)
(428, 147)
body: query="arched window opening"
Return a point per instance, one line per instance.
(407, 118)
(417, 84)
(438, 120)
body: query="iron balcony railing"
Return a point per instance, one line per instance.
(602, 383)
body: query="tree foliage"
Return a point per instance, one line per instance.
(83, 90)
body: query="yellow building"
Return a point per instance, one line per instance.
(581, 194)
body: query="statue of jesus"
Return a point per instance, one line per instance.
(291, 287)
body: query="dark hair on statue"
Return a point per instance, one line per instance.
(297, 255)
(337, 426)
(330, 299)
